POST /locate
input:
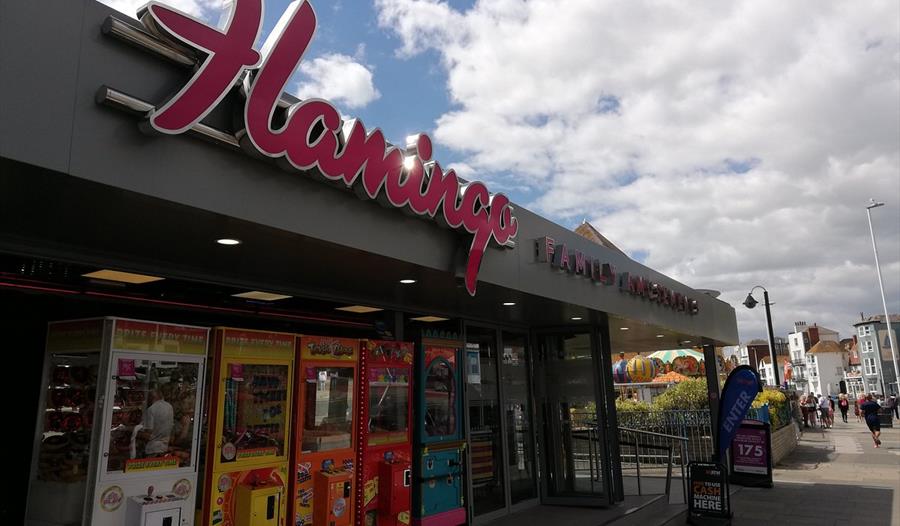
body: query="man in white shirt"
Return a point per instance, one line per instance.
(159, 419)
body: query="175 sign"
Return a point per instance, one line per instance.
(749, 450)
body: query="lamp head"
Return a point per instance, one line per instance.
(874, 204)
(750, 302)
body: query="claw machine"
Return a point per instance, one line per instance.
(325, 431)
(118, 444)
(439, 438)
(249, 428)
(384, 453)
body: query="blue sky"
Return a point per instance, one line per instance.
(413, 89)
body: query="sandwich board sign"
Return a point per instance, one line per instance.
(708, 499)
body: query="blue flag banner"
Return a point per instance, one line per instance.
(740, 389)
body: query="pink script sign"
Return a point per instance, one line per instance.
(314, 135)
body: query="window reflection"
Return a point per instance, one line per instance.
(152, 415)
(254, 413)
(440, 400)
(69, 414)
(388, 405)
(329, 408)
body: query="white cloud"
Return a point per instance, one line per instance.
(736, 143)
(211, 11)
(337, 78)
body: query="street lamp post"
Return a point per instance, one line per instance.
(751, 302)
(887, 317)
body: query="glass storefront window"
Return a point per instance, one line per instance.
(253, 422)
(388, 405)
(440, 400)
(485, 421)
(329, 408)
(152, 414)
(68, 417)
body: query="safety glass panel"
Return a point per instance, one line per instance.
(152, 424)
(68, 417)
(388, 405)
(440, 400)
(328, 413)
(253, 422)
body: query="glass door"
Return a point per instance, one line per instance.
(514, 381)
(485, 422)
(574, 446)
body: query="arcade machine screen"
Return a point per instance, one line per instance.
(329, 409)
(254, 416)
(440, 400)
(388, 405)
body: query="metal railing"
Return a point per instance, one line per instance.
(647, 445)
(693, 425)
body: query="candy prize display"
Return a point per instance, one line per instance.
(143, 461)
(249, 428)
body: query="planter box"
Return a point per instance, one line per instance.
(784, 441)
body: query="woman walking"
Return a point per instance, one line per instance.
(859, 402)
(870, 411)
(844, 406)
(810, 406)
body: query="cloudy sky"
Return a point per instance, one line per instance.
(726, 144)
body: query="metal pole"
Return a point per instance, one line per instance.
(771, 339)
(887, 317)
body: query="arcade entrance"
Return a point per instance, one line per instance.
(520, 395)
(569, 393)
(501, 438)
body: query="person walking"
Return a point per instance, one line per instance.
(824, 406)
(844, 406)
(893, 404)
(870, 411)
(859, 402)
(810, 406)
(804, 410)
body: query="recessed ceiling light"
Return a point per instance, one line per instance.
(623, 328)
(262, 296)
(429, 319)
(686, 341)
(576, 318)
(122, 277)
(660, 335)
(508, 303)
(358, 309)
(228, 241)
(407, 281)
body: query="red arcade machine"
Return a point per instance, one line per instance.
(384, 454)
(323, 455)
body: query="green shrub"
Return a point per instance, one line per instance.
(686, 395)
(631, 406)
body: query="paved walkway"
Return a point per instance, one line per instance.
(833, 477)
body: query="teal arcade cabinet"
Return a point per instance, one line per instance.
(440, 436)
